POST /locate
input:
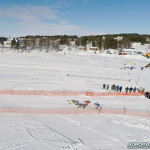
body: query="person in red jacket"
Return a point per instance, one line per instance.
(87, 102)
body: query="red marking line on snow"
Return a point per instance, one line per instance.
(67, 93)
(137, 113)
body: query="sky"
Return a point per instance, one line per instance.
(73, 17)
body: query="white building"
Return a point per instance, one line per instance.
(119, 38)
(7, 43)
(130, 52)
(90, 47)
(61, 47)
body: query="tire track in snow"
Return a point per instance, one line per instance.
(16, 144)
(45, 132)
(39, 134)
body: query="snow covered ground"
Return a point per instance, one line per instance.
(71, 71)
(87, 71)
(71, 132)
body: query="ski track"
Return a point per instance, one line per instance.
(38, 133)
(16, 144)
(46, 137)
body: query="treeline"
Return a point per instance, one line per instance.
(2, 39)
(42, 42)
(112, 41)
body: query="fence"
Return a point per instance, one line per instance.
(67, 93)
(124, 111)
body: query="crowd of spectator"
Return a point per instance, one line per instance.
(113, 87)
(135, 89)
(118, 88)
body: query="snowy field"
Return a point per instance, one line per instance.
(72, 71)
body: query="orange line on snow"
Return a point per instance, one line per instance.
(67, 93)
(74, 111)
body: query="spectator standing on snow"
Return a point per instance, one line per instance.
(143, 89)
(114, 87)
(104, 85)
(126, 89)
(117, 87)
(134, 90)
(120, 88)
(138, 90)
(107, 86)
(131, 89)
(146, 94)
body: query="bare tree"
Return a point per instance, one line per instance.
(124, 43)
(40, 44)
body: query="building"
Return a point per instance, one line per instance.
(118, 38)
(81, 48)
(93, 48)
(148, 40)
(2, 39)
(61, 47)
(7, 43)
(21, 41)
(130, 52)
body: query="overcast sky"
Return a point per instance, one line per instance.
(73, 17)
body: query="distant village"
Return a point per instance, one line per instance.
(122, 44)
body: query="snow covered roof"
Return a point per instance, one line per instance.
(130, 50)
(92, 47)
(81, 46)
(118, 38)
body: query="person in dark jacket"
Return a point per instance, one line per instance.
(126, 89)
(120, 88)
(107, 86)
(134, 90)
(131, 89)
(104, 85)
(146, 94)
